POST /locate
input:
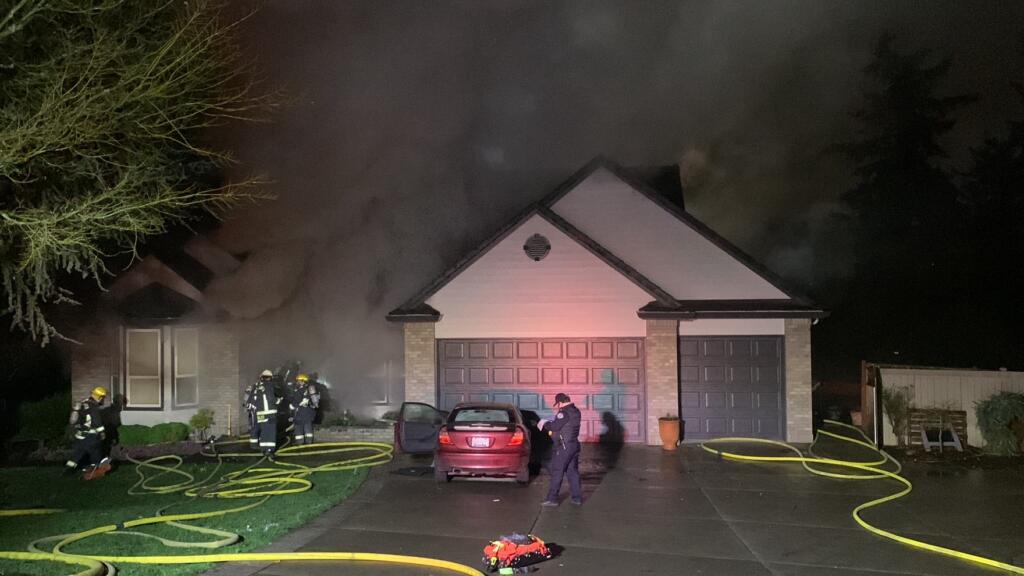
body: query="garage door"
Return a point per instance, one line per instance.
(604, 377)
(731, 386)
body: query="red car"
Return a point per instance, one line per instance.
(475, 439)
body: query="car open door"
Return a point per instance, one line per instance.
(417, 427)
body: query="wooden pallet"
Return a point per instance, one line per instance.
(938, 429)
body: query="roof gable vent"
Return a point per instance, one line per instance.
(537, 247)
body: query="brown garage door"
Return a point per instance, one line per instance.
(731, 386)
(604, 377)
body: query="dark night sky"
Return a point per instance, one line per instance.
(415, 128)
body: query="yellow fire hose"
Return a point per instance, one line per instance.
(867, 471)
(255, 482)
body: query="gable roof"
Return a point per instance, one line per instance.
(155, 302)
(664, 305)
(416, 308)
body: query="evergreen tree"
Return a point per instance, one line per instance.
(902, 208)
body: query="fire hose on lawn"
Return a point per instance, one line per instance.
(254, 481)
(866, 470)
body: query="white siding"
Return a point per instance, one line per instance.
(657, 244)
(955, 389)
(571, 292)
(730, 327)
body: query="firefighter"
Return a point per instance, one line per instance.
(565, 432)
(89, 435)
(249, 405)
(265, 401)
(305, 403)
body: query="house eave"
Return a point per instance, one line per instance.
(421, 313)
(730, 309)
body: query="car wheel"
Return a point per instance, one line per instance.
(441, 476)
(523, 475)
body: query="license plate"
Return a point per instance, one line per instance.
(479, 441)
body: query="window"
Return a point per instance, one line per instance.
(142, 369)
(482, 415)
(186, 367)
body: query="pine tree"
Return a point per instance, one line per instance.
(903, 207)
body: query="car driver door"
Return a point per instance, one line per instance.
(418, 425)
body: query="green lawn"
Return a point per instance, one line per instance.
(106, 501)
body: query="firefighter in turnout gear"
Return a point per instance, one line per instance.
(249, 406)
(305, 402)
(565, 432)
(265, 402)
(89, 435)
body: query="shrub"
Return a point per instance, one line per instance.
(139, 435)
(897, 405)
(133, 435)
(343, 418)
(995, 416)
(45, 419)
(201, 421)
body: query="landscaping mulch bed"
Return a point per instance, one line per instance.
(971, 458)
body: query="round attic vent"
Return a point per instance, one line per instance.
(537, 247)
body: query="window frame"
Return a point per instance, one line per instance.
(129, 405)
(175, 375)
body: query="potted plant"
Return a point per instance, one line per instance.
(668, 427)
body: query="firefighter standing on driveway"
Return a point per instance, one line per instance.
(89, 435)
(565, 432)
(265, 402)
(305, 403)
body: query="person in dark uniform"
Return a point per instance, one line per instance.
(249, 405)
(266, 402)
(89, 435)
(304, 404)
(565, 432)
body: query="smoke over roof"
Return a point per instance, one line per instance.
(417, 128)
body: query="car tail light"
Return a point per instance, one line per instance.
(518, 438)
(443, 438)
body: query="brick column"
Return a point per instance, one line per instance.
(420, 363)
(661, 364)
(220, 383)
(798, 380)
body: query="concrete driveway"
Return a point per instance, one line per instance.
(650, 512)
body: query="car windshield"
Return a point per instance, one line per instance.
(498, 415)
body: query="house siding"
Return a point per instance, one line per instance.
(798, 380)
(733, 327)
(657, 244)
(98, 362)
(569, 293)
(662, 368)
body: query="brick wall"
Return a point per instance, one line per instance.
(798, 380)
(420, 363)
(354, 434)
(94, 362)
(220, 386)
(661, 364)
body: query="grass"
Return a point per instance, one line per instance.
(106, 501)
